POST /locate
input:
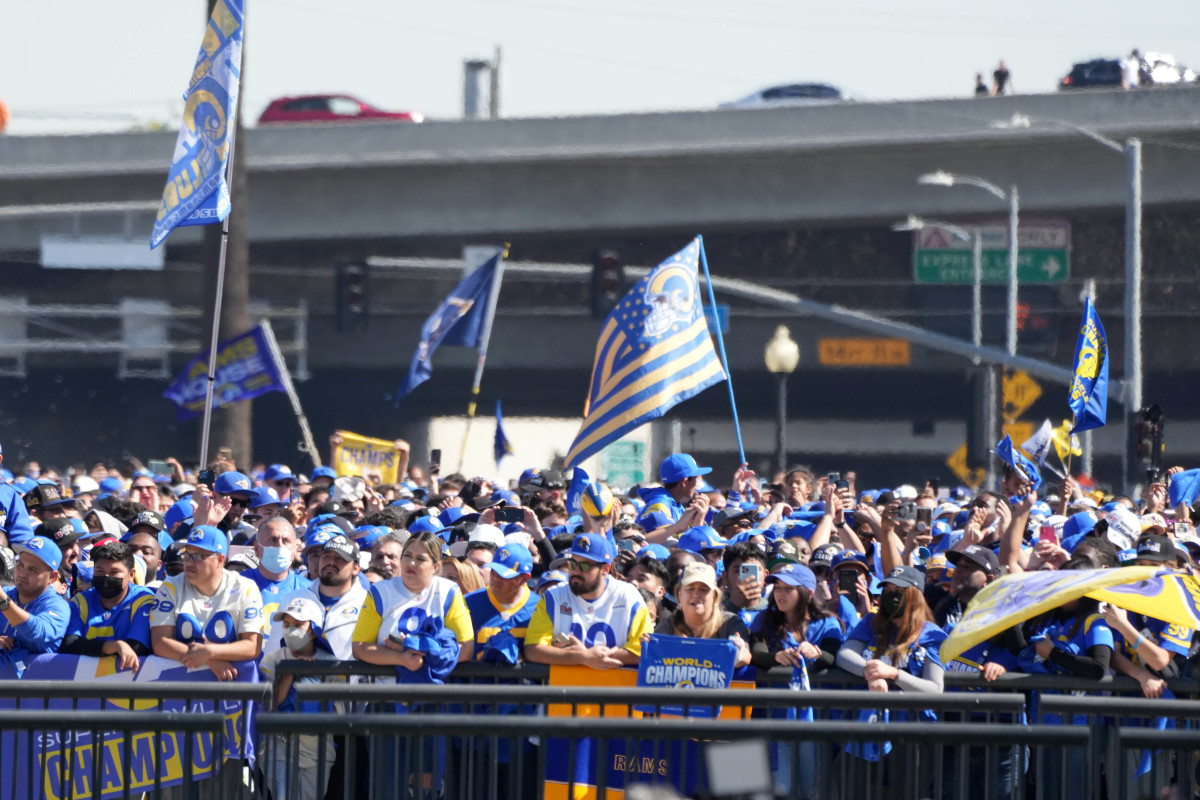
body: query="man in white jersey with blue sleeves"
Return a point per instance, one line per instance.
(595, 620)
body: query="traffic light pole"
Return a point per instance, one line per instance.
(1133, 299)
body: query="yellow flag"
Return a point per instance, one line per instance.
(1065, 442)
(360, 455)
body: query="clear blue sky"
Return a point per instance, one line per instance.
(91, 58)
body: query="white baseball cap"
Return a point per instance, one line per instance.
(488, 534)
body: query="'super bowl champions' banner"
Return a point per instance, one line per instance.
(53, 764)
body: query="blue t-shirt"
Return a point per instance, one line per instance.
(44, 630)
(1092, 632)
(14, 518)
(818, 630)
(661, 509)
(490, 621)
(847, 613)
(274, 591)
(129, 621)
(924, 649)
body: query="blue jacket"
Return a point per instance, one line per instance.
(14, 518)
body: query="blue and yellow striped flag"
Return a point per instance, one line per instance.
(654, 352)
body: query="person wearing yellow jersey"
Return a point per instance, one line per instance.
(595, 620)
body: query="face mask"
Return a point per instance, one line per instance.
(108, 587)
(276, 559)
(890, 605)
(296, 638)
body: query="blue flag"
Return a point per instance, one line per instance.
(1089, 388)
(1017, 460)
(196, 191)
(654, 352)
(245, 369)
(579, 482)
(1185, 487)
(457, 321)
(501, 447)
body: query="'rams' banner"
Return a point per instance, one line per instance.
(245, 370)
(196, 191)
(64, 763)
(680, 662)
(1163, 594)
(654, 352)
(358, 455)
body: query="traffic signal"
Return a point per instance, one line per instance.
(353, 294)
(608, 282)
(1148, 444)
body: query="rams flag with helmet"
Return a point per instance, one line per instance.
(654, 352)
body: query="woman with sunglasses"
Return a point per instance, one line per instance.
(416, 622)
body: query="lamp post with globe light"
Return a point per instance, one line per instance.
(782, 356)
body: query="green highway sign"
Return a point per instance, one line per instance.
(1044, 254)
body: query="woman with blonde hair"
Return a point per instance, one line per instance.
(700, 616)
(463, 572)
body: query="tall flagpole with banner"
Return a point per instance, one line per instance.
(712, 300)
(485, 336)
(197, 190)
(285, 377)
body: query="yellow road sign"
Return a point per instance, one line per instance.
(864, 353)
(957, 462)
(1018, 393)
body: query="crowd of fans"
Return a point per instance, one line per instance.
(219, 567)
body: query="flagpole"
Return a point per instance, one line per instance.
(216, 320)
(277, 356)
(712, 300)
(485, 336)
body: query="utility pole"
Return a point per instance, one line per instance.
(494, 87)
(231, 425)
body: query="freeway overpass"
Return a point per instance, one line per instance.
(696, 170)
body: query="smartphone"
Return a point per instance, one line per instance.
(396, 637)
(1048, 533)
(924, 517)
(749, 572)
(206, 477)
(1184, 530)
(510, 514)
(907, 511)
(159, 467)
(833, 477)
(626, 544)
(560, 640)
(435, 461)
(848, 581)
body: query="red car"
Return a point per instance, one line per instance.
(330, 108)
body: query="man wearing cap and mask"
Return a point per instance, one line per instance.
(975, 566)
(15, 522)
(595, 620)
(337, 591)
(275, 547)
(113, 617)
(674, 507)
(208, 616)
(35, 616)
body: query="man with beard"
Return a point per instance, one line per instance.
(339, 592)
(595, 620)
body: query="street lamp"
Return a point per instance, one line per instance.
(1132, 150)
(942, 178)
(782, 355)
(914, 223)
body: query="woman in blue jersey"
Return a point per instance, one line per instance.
(794, 631)
(416, 622)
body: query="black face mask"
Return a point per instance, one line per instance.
(891, 604)
(108, 587)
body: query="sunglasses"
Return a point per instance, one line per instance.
(244, 502)
(581, 566)
(150, 488)
(196, 557)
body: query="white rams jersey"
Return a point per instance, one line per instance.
(337, 628)
(617, 618)
(391, 608)
(235, 608)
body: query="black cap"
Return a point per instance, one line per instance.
(59, 530)
(1155, 547)
(546, 479)
(150, 518)
(344, 546)
(823, 555)
(982, 557)
(330, 507)
(44, 495)
(906, 576)
(884, 498)
(730, 514)
(173, 554)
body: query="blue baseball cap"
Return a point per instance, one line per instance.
(369, 534)
(112, 485)
(456, 514)
(24, 483)
(852, 558)
(423, 524)
(42, 549)
(508, 497)
(704, 487)
(279, 472)
(511, 561)
(655, 551)
(208, 538)
(233, 483)
(1078, 524)
(794, 575)
(321, 534)
(324, 472)
(265, 496)
(679, 466)
(5, 475)
(701, 538)
(552, 576)
(592, 547)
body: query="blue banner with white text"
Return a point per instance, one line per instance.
(245, 370)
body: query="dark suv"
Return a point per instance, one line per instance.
(1088, 74)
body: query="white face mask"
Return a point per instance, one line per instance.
(296, 638)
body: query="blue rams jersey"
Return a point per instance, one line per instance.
(1093, 632)
(661, 509)
(272, 591)
(129, 621)
(489, 618)
(926, 649)
(14, 518)
(1175, 639)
